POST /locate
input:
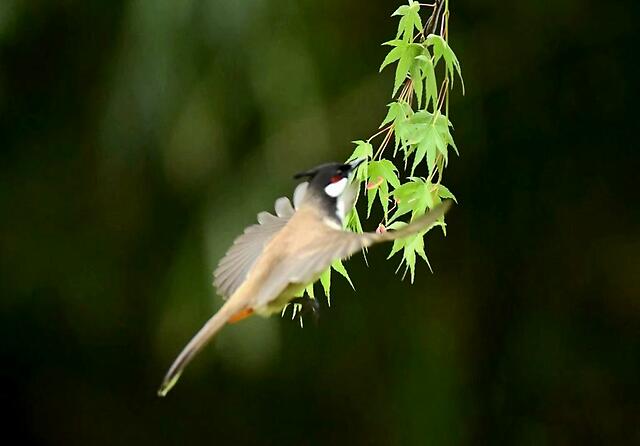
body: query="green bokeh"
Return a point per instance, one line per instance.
(139, 138)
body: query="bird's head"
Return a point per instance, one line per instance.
(330, 179)
(327, 185)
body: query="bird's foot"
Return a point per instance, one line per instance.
(304, 305)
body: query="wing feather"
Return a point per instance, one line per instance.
(240, 258)
(299, 193)
(307, 264)
(304, 266)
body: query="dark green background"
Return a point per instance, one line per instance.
(138, 138)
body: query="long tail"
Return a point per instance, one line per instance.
(206, 333)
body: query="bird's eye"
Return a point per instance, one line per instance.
(335, 178)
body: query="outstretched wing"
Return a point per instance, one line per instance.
(308, 261)
(240, 258)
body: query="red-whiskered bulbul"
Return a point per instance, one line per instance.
(274, 260)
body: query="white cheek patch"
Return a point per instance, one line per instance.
(336, 189)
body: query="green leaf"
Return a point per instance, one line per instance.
(410, 19)
(416, 197)
(385, 169)
(405, 197)
(419, 247)
(426, 146)
(325, 280)
(381, 174)
(397, 244)
(353, 221)
(424, 201)
(391, 114)
(429, 134)
(339, 267)
(443, 192)
(409, 255)
(437, 43)
(399, 111)
(395, 54)
(441, 49)
(417, 81)
(446, 134)
(402, 10)
(371, 197)
(309, 290)
(363, 150)
(410, 247)
(429, 75)
(405, 62)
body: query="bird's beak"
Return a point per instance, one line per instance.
(355, 163)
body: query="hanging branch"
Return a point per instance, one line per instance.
(418, 123)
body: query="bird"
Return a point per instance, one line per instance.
(273, 261)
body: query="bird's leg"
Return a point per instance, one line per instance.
(308, 304)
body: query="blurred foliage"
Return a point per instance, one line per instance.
(140, 137)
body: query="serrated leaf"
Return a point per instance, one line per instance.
(420, 250)
(386, 170)
(405, 197)
(363, 149)
(371, 197)
(446, 134)
(428, 133)
(400, 110)
(381, 174)
(443, 192)
(423, 200)
(410, 246)
(429, 75)
(418, 196)
(405, 62)
(395, 54)
(409, 20)
(409, 256)
(397, 244)
(406, 191)
(402, 10)
(339, 267)
(437, 43)
(417, 82)
(391, 114)
(426, 146)
(441, 49)
(445, 154)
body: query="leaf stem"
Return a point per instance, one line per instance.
(380, 132)
(443, 93)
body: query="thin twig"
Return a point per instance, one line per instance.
(380, 132)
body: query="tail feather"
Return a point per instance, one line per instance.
(202, 338)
